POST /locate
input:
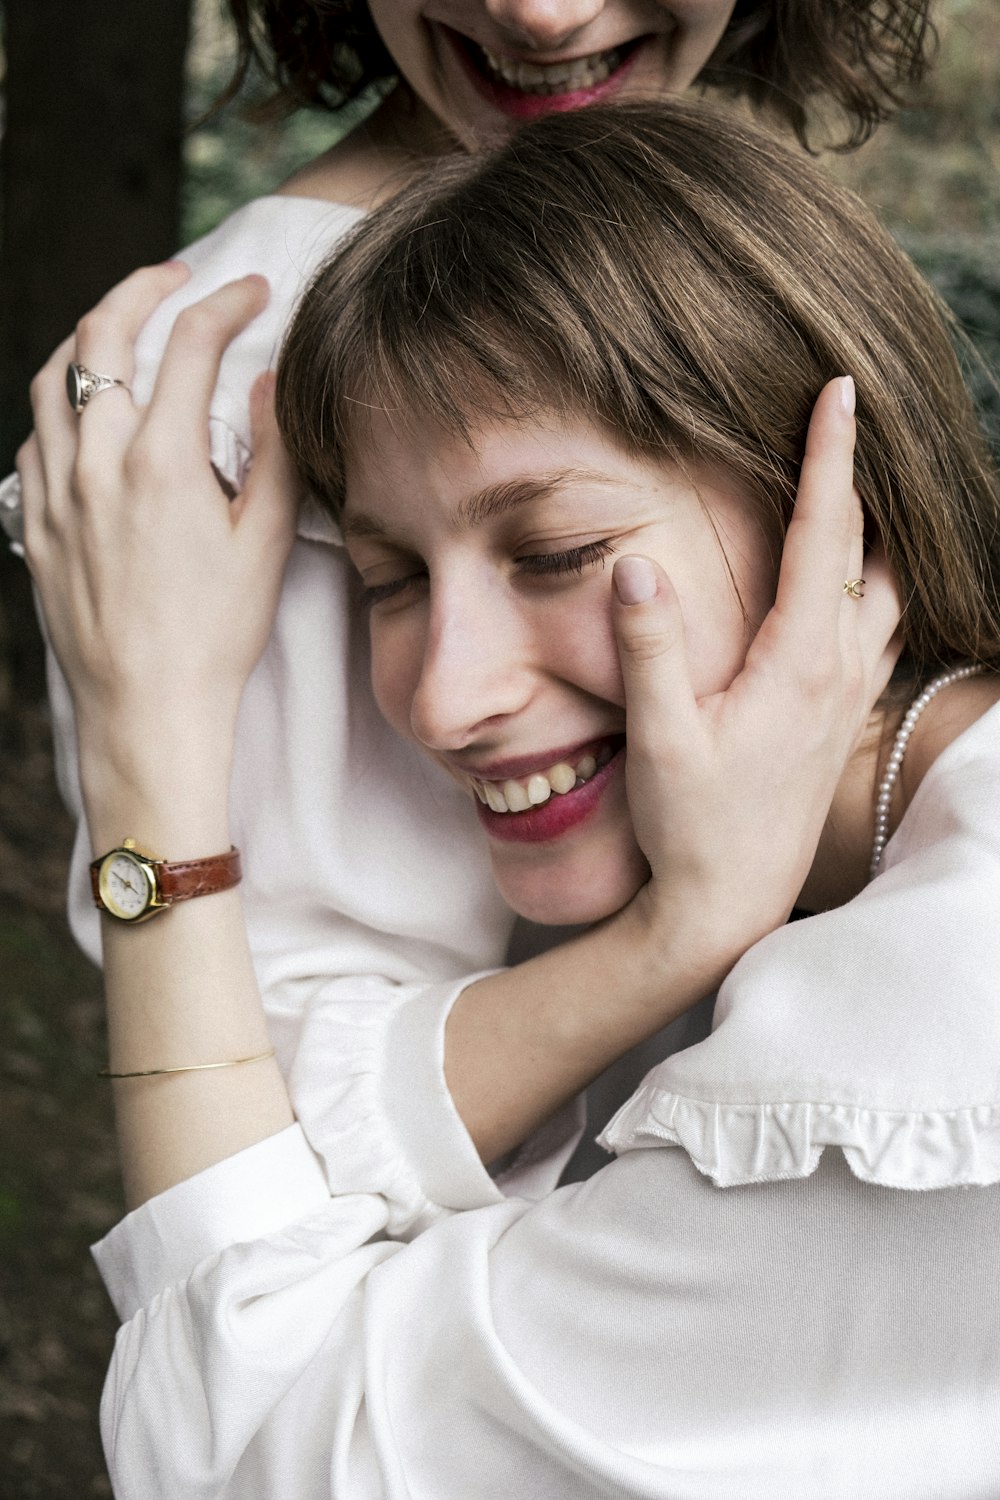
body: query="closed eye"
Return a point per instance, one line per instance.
(573, 560)
(535, 564)
(375, 593)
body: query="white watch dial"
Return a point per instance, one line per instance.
(125, 885)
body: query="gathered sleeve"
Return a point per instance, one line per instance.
(368, 1085)
(643, 1334)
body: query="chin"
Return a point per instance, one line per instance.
(574, 890)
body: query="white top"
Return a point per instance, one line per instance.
(367, 889)
(814, 1333)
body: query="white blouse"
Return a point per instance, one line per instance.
(367, 891)
(784, 1288)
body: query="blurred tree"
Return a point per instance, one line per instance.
(90, 173)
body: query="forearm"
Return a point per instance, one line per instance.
(520, 1044)
(180, 987)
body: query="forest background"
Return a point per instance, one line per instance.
(103, 167)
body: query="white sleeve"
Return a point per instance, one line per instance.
(368, 1088)
(644, 1334)
(367, 892)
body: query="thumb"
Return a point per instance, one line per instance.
(649, 631)
(273, 490)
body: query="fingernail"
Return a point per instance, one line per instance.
(634, 579)
(847, 395)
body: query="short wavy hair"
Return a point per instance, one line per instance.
(783, 56)
(687, 282)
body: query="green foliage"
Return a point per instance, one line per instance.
(966, 272)
(231, 157)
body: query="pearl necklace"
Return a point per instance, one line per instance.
(888, 782)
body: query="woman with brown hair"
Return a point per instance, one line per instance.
(369, 907)
(786, 1285)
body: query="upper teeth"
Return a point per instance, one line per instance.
(554, 78)
(518, 796)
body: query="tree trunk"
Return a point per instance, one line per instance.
(90, 171)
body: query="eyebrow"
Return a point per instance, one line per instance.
(494, 499)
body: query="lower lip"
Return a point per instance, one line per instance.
(519, 105)
(559, 815)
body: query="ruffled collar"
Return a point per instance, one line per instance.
(874, 1028)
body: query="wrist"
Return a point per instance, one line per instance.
(680, 947)
(173, 800)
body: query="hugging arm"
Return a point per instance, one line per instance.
(132, 527)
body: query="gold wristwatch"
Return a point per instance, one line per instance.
(132, 885)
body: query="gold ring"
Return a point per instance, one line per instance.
(854, 588)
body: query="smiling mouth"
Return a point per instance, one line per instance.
(544, 80)
(523, 794)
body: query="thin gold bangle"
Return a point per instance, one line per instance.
(233, 1062)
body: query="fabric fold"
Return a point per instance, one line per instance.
(873, 1028)
(735, 1144)
(368, 1085)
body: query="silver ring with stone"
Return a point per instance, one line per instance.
(82, 385)
(12, 514)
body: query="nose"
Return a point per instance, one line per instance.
(543, 24)
(474, 674)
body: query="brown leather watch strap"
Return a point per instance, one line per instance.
(179, 881)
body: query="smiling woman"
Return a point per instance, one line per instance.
(726, 1308)
(636, 378)
(374, 928)
(480, 69)
(493, 645)
(478, 65)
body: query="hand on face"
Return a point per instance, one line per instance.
(729, 792)
(158, 592)
(487, 572)
(480, 68)
(496, 646)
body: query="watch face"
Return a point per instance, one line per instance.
(126, 885)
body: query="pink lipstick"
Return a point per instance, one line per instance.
(519, 104)
(558, 815)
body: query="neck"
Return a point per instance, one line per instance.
(841, 867)
(377, 157)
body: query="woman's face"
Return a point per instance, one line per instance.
(488, 572)
(483, 66)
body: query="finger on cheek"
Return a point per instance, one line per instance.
(634, 580)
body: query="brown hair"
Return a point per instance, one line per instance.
(781, 55)
(691, 283)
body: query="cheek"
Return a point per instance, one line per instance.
(579, 640)
(396, 658)
(706, 19)
(724, 597)
(716, 641)
(398, 25)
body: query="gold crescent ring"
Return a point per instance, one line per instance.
(854, 588)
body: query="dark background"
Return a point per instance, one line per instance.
(101, 171)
